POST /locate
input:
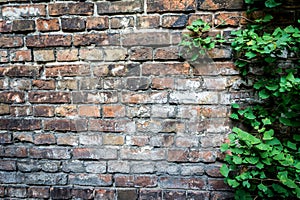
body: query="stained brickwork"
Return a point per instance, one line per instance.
(96, 103)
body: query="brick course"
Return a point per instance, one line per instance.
(96, 103)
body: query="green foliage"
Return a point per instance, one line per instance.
(262, 158)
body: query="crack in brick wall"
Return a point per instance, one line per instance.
(95, 102)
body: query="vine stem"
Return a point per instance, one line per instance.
(270, 179)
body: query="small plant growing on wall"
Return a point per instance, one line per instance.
(263, 152)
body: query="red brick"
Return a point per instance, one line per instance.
(49, 153)
(174, 21)
(45, 25)
(39, 192)
(49, 40)
(113, 111)
(178, 155)
(163, 83)
(227, 19)
(73, 24)
(221, 5)
(89, 111)
(43, 55)
(46, 138)
(97, 23)
(44, 84)
(205, 17)
(11, 41)
(67, 70)
(146, 38)
(23, 137)
(5, 26)
(117, 70)
(24, 11)
(99, 39)
(135, 181)
(171, 5)
(23, 26)
(43, 111)
(20, 55)
(141, 53)
(49, 97)
(110, 125)
(66, 111)
(165, 69)
(213, 170)
(67, 55)
(105, 194)
(167, 53)
(80, 8)
(18, 111)
(149, 21)
(12, 97)
(131, 6)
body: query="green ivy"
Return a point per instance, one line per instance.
(263, 152)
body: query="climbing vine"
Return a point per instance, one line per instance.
(263, 150)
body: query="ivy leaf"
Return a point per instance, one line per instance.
(262, 187)
(252, 160)
(268, 135)
(237, 160)
(296, 138)
(224, 147)
(263, 94)
(250, 55)
(271, 3)
(267, 121)
(291, 145)
(249, 115)
(234, 116)
(233, 183)
(272, 87)
(224, 170)
(235, 105)
(260, 165)
(285, 121)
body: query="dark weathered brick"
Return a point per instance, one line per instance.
(8, 165)
(49, 97)
(174, 194)
(171, 5)
(13, 152)
(146, 194)
(182, 182)
(147, 21)
(49, 153)
(80, 8)
(146, 39)
(124, 194)
(105, 193)
(83, 193)
(23, 26)
(15, 191)
(99, 39)
(91, 179)
(5, 26)
(73, 24)
(38, 192)
(132, 6)
(48, 40)
(174, 21)
(220, 5)
(60, 192)
(20, 124)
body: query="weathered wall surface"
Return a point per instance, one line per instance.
(96, 104)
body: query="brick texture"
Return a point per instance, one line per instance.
(96, 103)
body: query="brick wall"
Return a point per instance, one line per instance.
(95, 102)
